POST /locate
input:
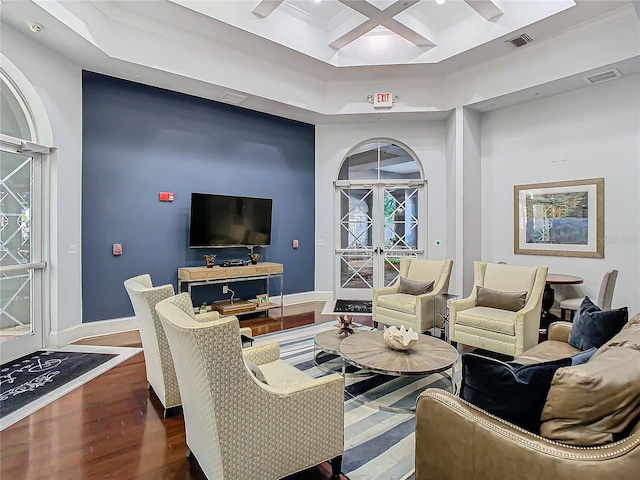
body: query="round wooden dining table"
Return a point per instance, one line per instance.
(548, 297)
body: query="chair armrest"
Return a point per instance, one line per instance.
(317, 383)
(384, 291)
(456, 306)
(246, 331)
(456, 440)
(208, 316)
(262, 354)
(559, 331)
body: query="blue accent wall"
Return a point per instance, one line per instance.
(139, 141)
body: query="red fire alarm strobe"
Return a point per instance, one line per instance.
(116, 249)
(166, 197)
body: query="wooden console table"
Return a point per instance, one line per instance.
(196, 276)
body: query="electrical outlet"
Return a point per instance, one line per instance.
(225, 289)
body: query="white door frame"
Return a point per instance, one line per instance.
(36, 268)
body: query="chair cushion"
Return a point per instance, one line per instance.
(591, 403)
(513, 301)
(253, 368)
(593, 327)
(414, 287)
(400, 302)
(501, 321)
(571, 303)
(515, 393)
(281, 374)
(547, 351)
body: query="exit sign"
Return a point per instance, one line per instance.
(382, 100)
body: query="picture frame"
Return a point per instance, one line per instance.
(559, 218)
(263, 299)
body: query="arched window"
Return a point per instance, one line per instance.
(15, 119)
(22, 241)
(380, 160)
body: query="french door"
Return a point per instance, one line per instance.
(21, 250)
(377, 224)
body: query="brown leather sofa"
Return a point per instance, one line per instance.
(457, 441)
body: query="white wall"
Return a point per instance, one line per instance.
(58, 83)
(333, 142)
(588, 133)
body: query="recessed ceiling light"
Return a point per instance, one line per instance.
(317, 1)
(440, 2)
(35, 27)
(138, 77)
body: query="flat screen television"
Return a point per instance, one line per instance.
(229, 221)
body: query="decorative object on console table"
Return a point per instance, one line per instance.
(560, 218)
(254, 257)
(210, 260)
(345, 325)
(263, 299)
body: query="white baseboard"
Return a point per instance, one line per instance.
(296, 298)
(126, 324)
(91, 329)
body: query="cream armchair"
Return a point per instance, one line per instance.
(161, 373)
(501, 331)
(238, 427)
(394, 308)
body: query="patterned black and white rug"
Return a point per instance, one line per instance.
(349, 307)
(31, 382)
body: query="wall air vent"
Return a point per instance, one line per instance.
(233, 98)
(520, 40)
(603, 76)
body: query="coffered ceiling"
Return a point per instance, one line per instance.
(380, 32)
(317, 61)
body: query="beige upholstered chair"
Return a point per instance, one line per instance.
(238, 427)
(161, 374)
(393, 308)
(501, 331)
(605, 296)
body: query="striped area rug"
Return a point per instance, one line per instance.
(379, 445)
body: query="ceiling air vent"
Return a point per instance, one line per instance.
(234, 98)
(603, 76)
(520, 40)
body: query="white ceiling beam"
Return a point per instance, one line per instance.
(266, 7)
(376, 17)
(486, 8)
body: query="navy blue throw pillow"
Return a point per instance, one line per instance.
(593, 327)
(515, 393)
(582, 357)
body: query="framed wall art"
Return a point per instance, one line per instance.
(560, 218)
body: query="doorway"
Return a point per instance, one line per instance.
(381, 217)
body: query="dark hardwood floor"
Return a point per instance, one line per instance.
(112, 427)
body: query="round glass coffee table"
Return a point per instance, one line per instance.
(326, 351)
(368, 352)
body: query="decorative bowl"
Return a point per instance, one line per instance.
(400, 339)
